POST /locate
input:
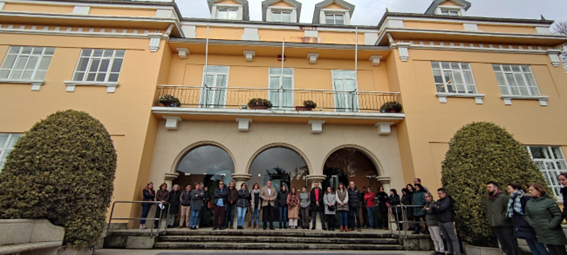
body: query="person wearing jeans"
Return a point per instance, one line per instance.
(197, 196)
(354, 198)
(371, 207)
(443, 209)
(433, 225)
(342, 207)
(282, 205)
(255, 206)
(149, 195)
(242, 204)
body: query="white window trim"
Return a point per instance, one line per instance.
(345, 13)
(508, 99)
(216, 7)
(460, 9)
(443, 97)
(203, 86)
(35, 84)
(547, 160)
(292, 85)
(355, 84)
(271, 9)
(4, 148)
(110, 86)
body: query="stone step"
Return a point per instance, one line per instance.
(274, 239)
(279, 233)
(347, 245)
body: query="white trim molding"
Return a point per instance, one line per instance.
(249, 55)
(183, 52)
(443, 97)
(172, 122)
(250, 34)
(554, 57)
(470, 26)
(508, 99)
(81, 9)
(110, 86)
(316, 126)
(384, 128)
(36, 84)
(313, 57)
(243, 124)
(375, 60)
(2, 5)
(370, 38)
(155, 40)
(403, 50)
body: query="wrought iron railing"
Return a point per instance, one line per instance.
(281, 99)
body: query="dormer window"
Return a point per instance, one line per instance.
(334, 18)
(448, 7)
(285, 11)
(229, 9)
(281, 16)
(227, 13)
(450, 12)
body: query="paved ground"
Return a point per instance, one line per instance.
(245, 252)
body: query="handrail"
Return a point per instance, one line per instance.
(402, 221)
(251, 88)
(147, 218)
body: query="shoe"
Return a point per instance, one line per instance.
(341, 229)
(272, 228)
(281, 225)
(325, 229)
(426, 232)
(214, 228)
(434, 253)
(231, 227)
(264, 228)
(440, 253)
(257, 227)
(180, 226)
(313, 228)
(415, 232)
(359, 230)
(346, 230)
(221, 228)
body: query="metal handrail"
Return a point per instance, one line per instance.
(319, 90)
(127, 218)
(402, 221)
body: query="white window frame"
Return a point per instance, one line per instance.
(453, 72)
(17, 55)
(213, 90)
(335, 14)
(452, 11)
(281, 12)
(91, 59)
(550, 175)
(228, 10)
(4, 149)
(345, 94)
(506, 88)
(275, 101)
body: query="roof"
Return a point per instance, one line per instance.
(325, 3)
(436, 3)
(267, 3)
(244, 3)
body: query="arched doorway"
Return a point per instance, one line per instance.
(207, 164)
(350, 164)
(282, 166)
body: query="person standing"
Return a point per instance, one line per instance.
(317, 206)
(185, 200)
(496, 209)
(232, 196)
(149, 195)
(417, 181)
(382, 208)
(516, 211)
(394, 201)
(418, 201)
(197, 196)
(354, 198)
(445, 216)
(364, 211)
(162, 195)
(174, 200)
(304, 204)
(371, 207)
(563, 180)
(293, 208)
(406, 200)
(242, 204)
(433, 225)
(268, 195)
(255, 206)
(220, 202)
(330, 200)
(545, 217)
(342, 207)
(282, 204)
(205, 209)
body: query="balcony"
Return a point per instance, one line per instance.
(227, 103)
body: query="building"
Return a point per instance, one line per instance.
(115, 59)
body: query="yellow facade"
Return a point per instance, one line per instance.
(393, 61)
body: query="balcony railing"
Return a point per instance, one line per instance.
(281, 99)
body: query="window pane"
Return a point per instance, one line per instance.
(13, 140)
(9, 61)
(286, 17)
(91, 76)
(27, 50)
(14, 50)
(21, 62)
(44, 63)
(232, 14)
(116, 65)
(31, 63)
(79, 76)
(339, 20)
(3, 140)
(37, 50)
(4, 74)
(100, 77)
(104, 65)
(26, 75)
(276, 16)
(94, 65)
(39, 75)
(537, 152)
(87, 53)
(221, 14)
(83, 63)
(329, 19)
(49, 51)
(113, 77)
(119, 53)
(98, 53)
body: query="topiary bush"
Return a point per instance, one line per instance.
(478, 153)
(62, 170)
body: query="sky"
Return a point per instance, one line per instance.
(369, 12)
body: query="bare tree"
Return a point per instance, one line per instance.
(560, 27)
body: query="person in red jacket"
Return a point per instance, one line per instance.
(370, 207)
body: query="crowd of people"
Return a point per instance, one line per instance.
(533, 216)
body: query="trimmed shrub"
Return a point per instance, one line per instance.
(478, 153)
(62, 170)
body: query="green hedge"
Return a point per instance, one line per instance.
(478, 153)
(62, 170)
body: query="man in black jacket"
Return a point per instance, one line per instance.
(317, 205)
(232, 196)
(445, 215)
(220, 203)
(354, 198)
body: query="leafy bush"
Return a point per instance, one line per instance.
(391, 106)
(478, 153)
(62, 170)
(259, 102)
(169, 100)
(309, 104)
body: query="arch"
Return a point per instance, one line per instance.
(189, 148)
(273, 145)
(363, 150)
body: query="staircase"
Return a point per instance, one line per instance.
(276, 240)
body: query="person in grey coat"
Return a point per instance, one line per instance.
(197, 196)
(330, 201)
(304, 203)
(433, 225)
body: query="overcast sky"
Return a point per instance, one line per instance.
(369, 12)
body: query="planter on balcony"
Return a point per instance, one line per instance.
(259, 107)
(308, 105)
(303, 108)
(259, 104)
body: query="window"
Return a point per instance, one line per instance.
(227, 13)
(451, 77)
(334, 18)
(7, 142)
(551, 163)
(281, 87)
(99, 65)
(450, 12)
(281, 16)
(516, 80)
(345, 90)
(26, 63)
(215, 81)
